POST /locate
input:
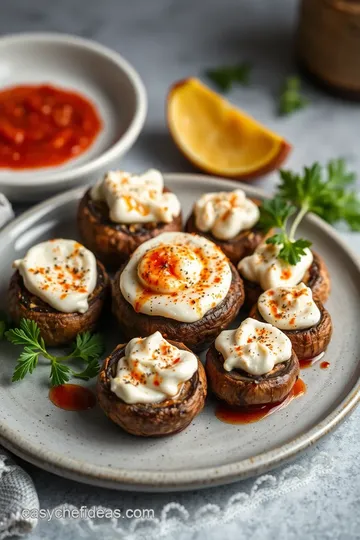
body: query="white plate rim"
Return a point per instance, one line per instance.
(177, 480)
(121, 146)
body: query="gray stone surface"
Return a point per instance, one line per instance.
(167, 40)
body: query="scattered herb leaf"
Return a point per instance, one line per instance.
(291, 98)
(224, 77)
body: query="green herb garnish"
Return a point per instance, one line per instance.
(324, 191)
(291, 98)
(88, 347)
(274, 213)
(224, 77)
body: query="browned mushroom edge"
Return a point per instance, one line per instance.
(310, 342)
(151, 419)
(242, 245)
(113, 243)
(56, 328)
(196, 335)
(240, 389)
(317, 278)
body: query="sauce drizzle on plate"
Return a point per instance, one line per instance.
(230, 415)
(72, 397)
(44, 126)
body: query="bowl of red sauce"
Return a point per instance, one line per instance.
(69, 110)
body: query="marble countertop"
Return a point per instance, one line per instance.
(167, 40)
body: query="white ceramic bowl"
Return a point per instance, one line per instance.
(100, 74)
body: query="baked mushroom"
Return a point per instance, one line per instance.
(152, 387)
(264, 270)
(180, 284)
(229, 219)
(252, 365)
(61, 286)
(303, 319)
(122, 211)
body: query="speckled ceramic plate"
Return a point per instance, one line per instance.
(87, 447)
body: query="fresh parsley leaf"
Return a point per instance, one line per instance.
(291, 98)
(88, 346)
(338, 175)
(324, 191)
(292, 251)
(59, 374)
(26, 363)
(224, 77)
(27, 334)
(91, 370)
(275, 213)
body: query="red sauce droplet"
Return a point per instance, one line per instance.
(309, 362)
(306, 363)
(44, 126)
(324, 365)
(72, 397)
(252, 414)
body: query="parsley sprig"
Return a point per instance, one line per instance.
(324, 191)
(224, 77)
(321, 190)
(274, 213)
(291, 98)
(88, 348)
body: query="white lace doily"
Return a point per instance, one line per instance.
(175, 519)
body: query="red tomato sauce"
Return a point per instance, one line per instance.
(72, 397)
(230, 415)
(44, 126)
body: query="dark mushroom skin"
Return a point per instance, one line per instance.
(310, 342)
(240, 389)
(317, 278)
(56, 328)
(151, 419)
(112, 243)
(242, 245)
(196, 335)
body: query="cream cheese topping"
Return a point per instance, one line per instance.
(61, 272)
(289, 308)
(176, 275)
(225, 214)
(136, 198)
(152, 370)
(265, 268)
(254, 347)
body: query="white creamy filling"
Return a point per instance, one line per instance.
(225, 214)
(289, 308)
(254, 347)
(61, 272)
(265, 268)
(176, 275)
(136, 199)
(152, 370)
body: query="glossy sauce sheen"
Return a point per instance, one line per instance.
(325, 365)
(254, 414)
(43, 126)
(72, 397)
